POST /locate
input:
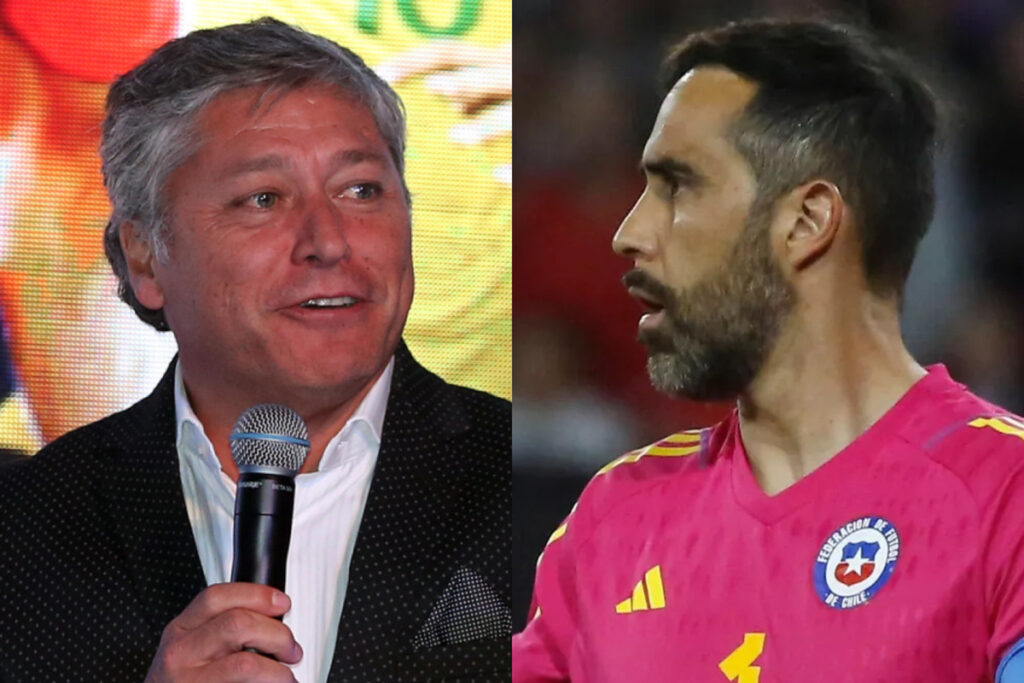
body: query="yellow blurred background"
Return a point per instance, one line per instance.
(72, 352)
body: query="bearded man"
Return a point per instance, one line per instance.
(857, 518)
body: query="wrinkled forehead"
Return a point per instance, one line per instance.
(244, 129)
(695, 118)
(251, 102)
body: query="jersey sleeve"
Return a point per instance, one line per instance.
(1004, 567)
(541, 651)
(545, 650)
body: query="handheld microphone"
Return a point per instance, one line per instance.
(269, 444)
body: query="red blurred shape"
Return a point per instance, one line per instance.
(93, 40)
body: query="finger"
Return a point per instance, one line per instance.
(233, 631)
(440, 55)
(492, 123)
(246, 667)
(221, 597)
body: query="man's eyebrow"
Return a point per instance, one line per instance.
(270, 162)
(267, 162)
(351, 157)
(671, 169)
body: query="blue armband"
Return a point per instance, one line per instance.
(1011, 668)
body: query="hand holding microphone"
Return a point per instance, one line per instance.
(208, 640)
(217, 637)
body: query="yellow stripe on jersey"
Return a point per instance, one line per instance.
(1004, 424)
(632, 456)
(648, 594)
(638, 601)
(691, 436)
(676, 445)
(654, 586)
(670, 452)
(557, 533)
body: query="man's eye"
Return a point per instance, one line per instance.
(675, 186)
(362, 191)
(262, 200)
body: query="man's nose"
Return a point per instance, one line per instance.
(635, 239)
(323, 235)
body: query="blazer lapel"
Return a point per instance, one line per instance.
(142, 493)
(398, 567)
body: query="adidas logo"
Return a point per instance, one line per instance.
(649, 593)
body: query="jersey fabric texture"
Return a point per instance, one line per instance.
(901, 558)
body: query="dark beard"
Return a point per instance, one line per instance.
(716, 335)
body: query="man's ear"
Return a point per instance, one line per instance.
(141, 260)
(818, 215)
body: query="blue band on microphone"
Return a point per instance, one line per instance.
(269, 437)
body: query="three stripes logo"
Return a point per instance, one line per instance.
(648, 594)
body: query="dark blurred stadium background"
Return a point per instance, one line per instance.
(585, 81)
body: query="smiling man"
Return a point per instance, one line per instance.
(857, 518)
(261, 215)
(299, 189)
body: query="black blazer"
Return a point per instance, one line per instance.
(97, 554)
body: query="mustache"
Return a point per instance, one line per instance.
(649, 286)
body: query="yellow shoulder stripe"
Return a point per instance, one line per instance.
(1004, 424)
(691, 436)
(670, 451)
(557, 533)
(676, 445)
(628, 457)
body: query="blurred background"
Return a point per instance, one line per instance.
(70, 352)
(586, 74)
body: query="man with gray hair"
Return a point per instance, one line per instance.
(260, 214)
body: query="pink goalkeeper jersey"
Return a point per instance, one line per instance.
(901, 559)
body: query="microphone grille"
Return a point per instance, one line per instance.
(270, 435)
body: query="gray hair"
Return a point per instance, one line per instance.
(149, 129)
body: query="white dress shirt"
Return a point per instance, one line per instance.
(328, 508)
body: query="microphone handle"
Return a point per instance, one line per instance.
(263, 528)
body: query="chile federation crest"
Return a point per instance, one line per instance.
(855, 561)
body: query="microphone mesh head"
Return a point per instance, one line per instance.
(270, 435)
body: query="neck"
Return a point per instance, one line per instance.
(218, 413)
(824, 384)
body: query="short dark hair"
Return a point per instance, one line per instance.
(832, 102)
